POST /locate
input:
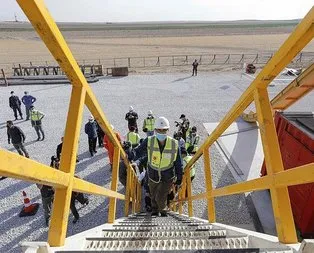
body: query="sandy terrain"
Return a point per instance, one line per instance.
(20, 44)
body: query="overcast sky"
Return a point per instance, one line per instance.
(164, 10)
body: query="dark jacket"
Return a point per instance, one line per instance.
(28, 100)
(14, 102)
(46, 191)
(131, 117)
(166, 176)
(15, 134)
(59, 149)
(91, 129)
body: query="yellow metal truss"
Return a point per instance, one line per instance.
(64, 181)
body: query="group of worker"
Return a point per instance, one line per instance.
(15, 133)
(159, 159)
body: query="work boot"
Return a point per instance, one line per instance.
(155, 214)
(43, 138)
(75, 220)
(47, 222)
(163, 214)
(21, 117)
(38, 139)
(2, 178)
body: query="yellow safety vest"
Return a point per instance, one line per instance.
(36, 115)
(186, 160)
(133, 137)
(190, 140)
(161, 161)
(149, 124)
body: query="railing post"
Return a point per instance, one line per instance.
(189, 194)
(133, 187)
(114, 184)
(62, 197)
(280, 196)
(127, 192)
(211, 213)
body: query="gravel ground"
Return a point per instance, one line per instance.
(205, 98)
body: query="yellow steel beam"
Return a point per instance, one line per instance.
(127, 191)
(211, 213)
(80, 185)
(47, 29)
(189, 194)
(301, 36)
(114, 184)
(62, 197)
(280, 196)
(19, 167)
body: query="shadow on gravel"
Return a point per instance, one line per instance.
(86, 160)
(15, 187)
(181, 79)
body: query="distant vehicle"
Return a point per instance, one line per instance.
(250, 69)
(291, 72)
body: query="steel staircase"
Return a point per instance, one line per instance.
(175, 233)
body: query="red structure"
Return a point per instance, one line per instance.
(296, 139)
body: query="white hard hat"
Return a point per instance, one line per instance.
(162, 123)
(131, 108)
(150, 112)
(91, 118)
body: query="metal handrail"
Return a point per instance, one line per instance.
(277, 179)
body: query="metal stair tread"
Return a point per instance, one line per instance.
(247, 250)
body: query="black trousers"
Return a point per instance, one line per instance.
(17, 109)
(92, 145)
(194, 71)
(100, 139)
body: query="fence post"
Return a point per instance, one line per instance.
(129, 62)
(114, 184)
(21, 71)
(4, 78)
(158, 62)
(114, 62)
(211, 213)
(300, 58)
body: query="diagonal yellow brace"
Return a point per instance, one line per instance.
(47, 29)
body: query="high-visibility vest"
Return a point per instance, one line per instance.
(190, 140)
(149, 123)
(133, 137)
(165, 160)
(186, 160)
(36, 115)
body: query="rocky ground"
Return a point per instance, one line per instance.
(205, 98)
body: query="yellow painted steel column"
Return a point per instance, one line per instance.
(62, 198)
(114, 184)
(189, 194)
(127, 192)
(211, 213)
(180, 196)
(133, 186)
(280, 196)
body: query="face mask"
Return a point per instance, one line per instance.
(161, 137)
(193, 134)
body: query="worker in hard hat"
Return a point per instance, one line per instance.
(148, 124)
(108, 144)
(132, 117)
(164, 166)
(91, 131)
(192, 141)
(132, 137)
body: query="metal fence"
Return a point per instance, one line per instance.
(301, 59)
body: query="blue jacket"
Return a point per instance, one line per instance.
(28, 100)
(91, 129)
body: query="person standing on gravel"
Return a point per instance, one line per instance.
(132, 117)
(194, 65)
(91, 131)
(16, 135)
(15, 105)
(28, 101)
(164, 164)
(148, 124)
(36, 118)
